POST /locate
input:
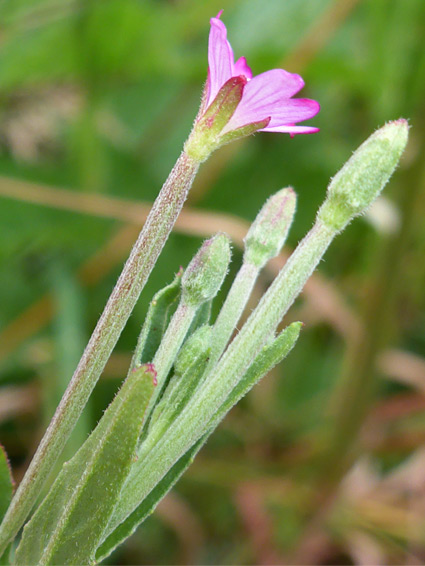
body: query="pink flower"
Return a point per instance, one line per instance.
(266, 99)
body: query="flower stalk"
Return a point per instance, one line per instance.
(263, 241)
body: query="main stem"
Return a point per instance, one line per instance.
(108, 329)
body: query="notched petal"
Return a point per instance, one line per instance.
(242, 68)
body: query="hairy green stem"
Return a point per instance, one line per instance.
(108, 329)
(170, 345)
(232, 310)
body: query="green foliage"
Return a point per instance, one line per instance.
(271, 355)
(127, 527)
(189, 369)
(156, 322)
(67, 526)
(6, 483)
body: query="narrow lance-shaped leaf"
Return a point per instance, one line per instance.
(6, 491)
(271, 355)
(6, 482)
(147, 507)
(70, 521)
(6, 558)
(189, 369)
(267, 359)
(156, 322)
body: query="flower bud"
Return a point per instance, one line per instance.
(359, 182)
(205, 273)
(196, 349)
(268, 232)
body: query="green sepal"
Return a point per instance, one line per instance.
(223, 106)
(146, 508)
(243, 132)
(204, 137)
(6, 483)
(268, 232)
(68, 525)
(156, 322)
(271, 355)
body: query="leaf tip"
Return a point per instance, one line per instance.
(150, 368)
(9, 467)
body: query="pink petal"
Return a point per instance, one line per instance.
(272, 86)
(294, 110)
(268, 95)
(291, 129)
(241, 68)
(220, 59)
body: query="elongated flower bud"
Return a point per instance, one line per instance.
(205, 273)
(268, 232)
(359, 182)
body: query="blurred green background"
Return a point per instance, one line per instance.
(323, 463)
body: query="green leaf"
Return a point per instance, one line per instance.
(6, 483)
(6, 492)
(270, 356)
(127, 527)
(68, 525)
(189, 367)
(156, 322)
(6, 558)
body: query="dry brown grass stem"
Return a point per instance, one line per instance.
(15, 400)
(318, 35)
(39, 314)
(324, 299)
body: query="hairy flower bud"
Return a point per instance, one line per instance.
(205, 273)
(359, 182)
(268, 232)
